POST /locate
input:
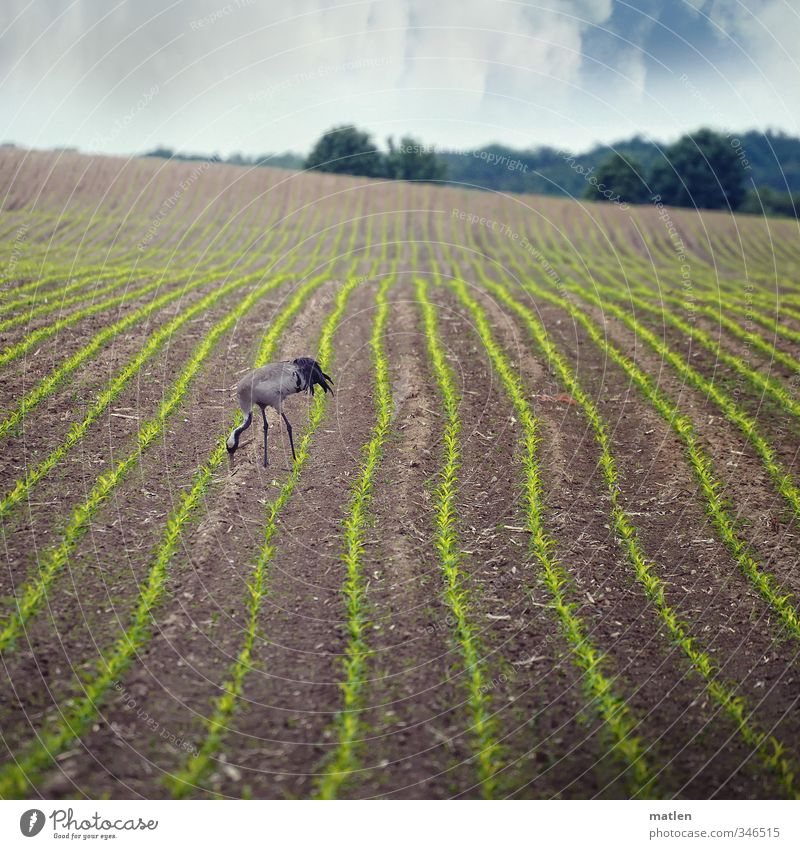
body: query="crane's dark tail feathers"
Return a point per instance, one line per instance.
(314, 375)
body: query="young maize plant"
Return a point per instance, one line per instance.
(640, 282)
(39, 755)
(707, 283)
(15, 351)
(780, 477)
(750, 337)
(449, 549)
(710, 485)
(51, 382)
(33, 594)
(78, 430)
(84, 281)
(34, 337)
(199, 765)
(760, 382)
(769, 750)
(621, 726)
(343, 761)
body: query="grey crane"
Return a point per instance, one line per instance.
(268, 386)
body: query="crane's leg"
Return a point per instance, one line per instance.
(266, 433)
(289, 431)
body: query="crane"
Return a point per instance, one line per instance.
(268, 386)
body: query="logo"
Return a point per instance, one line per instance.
(31, 822)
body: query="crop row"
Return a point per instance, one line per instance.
(711, 487)
(770, 751)
(198, 766)
(70, 725)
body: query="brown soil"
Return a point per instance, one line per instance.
(718, 603)
(200, 629)
(415, 737)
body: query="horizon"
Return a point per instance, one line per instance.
(380, 144)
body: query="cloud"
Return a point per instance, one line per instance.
(258, 76)
(767, 33)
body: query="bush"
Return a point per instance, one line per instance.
(412, 160)
(346, 150)
(618, 178)
(700, 170)
(767, 201)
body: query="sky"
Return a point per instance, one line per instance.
(259, 76)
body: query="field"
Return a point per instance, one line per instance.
(541, 542)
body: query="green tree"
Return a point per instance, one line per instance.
(617, 178)
(700, 170)
(346, 150)
(412, 160)
(766, 201)
(160, 153)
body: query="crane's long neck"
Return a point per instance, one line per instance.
(233, 440)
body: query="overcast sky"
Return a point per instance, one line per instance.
(264, 76)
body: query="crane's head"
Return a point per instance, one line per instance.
(232, 443)
(313, 375)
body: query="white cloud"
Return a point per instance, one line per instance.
(257, 76)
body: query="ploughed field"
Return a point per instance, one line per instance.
(541, 542)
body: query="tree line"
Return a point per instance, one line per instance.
(705, 169)
(755, 172)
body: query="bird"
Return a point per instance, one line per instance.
(268, 386)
